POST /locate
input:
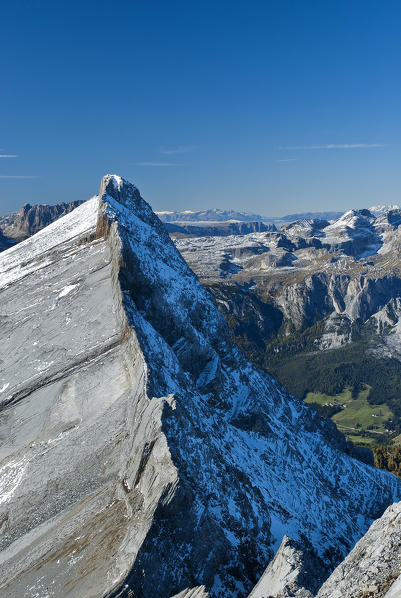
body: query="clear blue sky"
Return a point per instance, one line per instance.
(196, 101)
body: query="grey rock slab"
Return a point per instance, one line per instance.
(374, 563)
(395, 590)
(198, 592)
(292, 573)
(74, 419)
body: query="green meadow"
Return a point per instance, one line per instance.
(357, 416)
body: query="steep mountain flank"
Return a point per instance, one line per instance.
(142, 453)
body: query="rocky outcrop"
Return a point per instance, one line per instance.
(292, 573)
(142, 454)
(199, 592)
(371, 568)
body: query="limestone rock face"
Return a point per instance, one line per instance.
(199, 592)
(75, 419)
(371, 568)
(292, 573)
(395, 590)
(141, 453)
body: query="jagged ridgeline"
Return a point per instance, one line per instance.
(141, 452)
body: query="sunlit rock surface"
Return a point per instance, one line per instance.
(373, 566)
(293, 573)
(141, 453)
(198, 592)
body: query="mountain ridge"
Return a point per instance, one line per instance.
(209, 461)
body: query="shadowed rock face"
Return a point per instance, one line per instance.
(140, 451)
(5, 242)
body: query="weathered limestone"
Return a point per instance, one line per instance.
(372, 566)
(292, 573)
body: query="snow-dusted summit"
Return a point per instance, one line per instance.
(140, 451)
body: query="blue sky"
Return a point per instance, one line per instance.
(272, 107)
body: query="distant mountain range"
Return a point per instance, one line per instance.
(217, 215)
(30, 219)
(212, 215)
(20, 225)
(217, 229)
(27, 221)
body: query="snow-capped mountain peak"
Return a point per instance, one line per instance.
(380, 209)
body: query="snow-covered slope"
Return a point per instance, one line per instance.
(141, 450)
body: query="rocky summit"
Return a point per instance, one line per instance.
(142, 454)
